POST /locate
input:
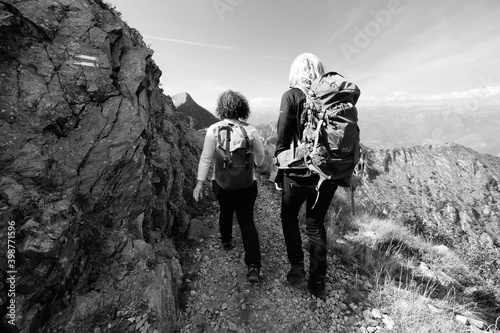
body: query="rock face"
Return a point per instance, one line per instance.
(95, 170)
(447, 193)
(193, 114)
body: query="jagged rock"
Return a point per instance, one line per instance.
(94, 167)
(389, 323)
(11, 190)
(232, 326)
(193, 114)
(197, 230)
(376, 313)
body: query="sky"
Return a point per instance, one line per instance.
(396, 51)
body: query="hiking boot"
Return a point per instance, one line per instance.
(227, 245)
(253, 274)
(317, 287)
(296, 275)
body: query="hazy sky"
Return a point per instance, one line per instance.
(396, 51)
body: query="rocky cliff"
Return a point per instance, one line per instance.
(447, 193)
(191, 112)
(94, 167)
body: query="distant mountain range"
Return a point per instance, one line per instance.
(391, 126)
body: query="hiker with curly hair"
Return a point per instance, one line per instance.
(299, 185)
(233, 148)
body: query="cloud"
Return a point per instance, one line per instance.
(187, 42)
(488, 93)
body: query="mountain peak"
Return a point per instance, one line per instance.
(181, 98)
(195, 115)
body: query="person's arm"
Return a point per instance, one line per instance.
(258, 149)
(206, 160)
(287, 123)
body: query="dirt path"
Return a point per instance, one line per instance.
(217, 297)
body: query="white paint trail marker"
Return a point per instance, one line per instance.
(85, 60)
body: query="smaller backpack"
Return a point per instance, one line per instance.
(234, 158)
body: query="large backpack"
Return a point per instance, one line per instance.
(234, 158)
(329, 144)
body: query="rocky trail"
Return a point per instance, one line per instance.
(218, 298)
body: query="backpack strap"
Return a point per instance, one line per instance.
(245, 135)
(306, 93)
(227, 154)
(247, 140)
(316, 136)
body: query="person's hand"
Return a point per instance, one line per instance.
(198, 191)
(279, 187)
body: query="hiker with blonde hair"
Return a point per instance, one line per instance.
(299, 185)
(233, 148)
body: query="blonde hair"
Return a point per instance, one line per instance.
(305, 68)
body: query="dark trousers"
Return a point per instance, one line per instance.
(294, 195)
(241, 202)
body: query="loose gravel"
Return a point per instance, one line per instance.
(217, 297)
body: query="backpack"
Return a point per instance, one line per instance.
(329, 142)
(234, 158)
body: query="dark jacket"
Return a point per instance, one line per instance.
(291, 108)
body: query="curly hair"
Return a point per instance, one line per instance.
(232, 105)
(305, 68)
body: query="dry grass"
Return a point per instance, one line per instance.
(413, 310)
(392, 256)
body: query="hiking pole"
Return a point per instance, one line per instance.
(357, 178)
(352, 198)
